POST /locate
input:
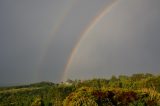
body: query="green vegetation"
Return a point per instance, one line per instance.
(135, 90)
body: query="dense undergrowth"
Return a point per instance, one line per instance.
(135, 90)
(111, 97)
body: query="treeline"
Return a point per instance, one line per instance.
(136, 90)
(136, 81)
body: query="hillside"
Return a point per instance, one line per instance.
(135, 90)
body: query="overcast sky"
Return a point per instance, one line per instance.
(37, 38)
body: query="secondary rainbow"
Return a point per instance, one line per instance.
(50, 36)
(84, 33)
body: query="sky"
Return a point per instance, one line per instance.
(37, 39)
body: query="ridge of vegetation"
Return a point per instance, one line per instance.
(136, 90)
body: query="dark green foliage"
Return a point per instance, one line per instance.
(50, 94)
(109, 97)
(135, 90)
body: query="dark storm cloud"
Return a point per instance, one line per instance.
(125, 41)
(68, 35)
(24, 30)
(24, 27)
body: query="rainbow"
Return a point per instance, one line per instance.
(84, 33)
(48, 40)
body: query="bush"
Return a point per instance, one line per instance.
(110, 97)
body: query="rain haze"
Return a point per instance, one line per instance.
(37, 39)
